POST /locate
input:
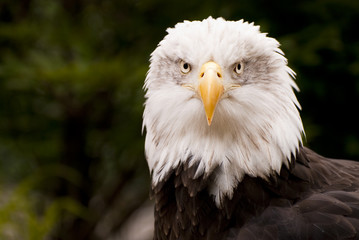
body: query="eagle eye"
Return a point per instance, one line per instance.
(238, 68)
(185, 67)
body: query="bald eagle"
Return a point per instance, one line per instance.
(224, 143)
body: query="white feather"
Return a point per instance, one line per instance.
(256, 128)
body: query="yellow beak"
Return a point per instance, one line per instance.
(210, 87)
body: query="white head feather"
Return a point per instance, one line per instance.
(256, 127)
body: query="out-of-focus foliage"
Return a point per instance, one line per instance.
(71, 72)
(19, 218)
(71, 97)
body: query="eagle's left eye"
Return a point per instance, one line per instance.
(185, 67)
(238, 68)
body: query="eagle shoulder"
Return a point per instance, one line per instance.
(327, 206)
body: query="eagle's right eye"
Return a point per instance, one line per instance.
(185, 67)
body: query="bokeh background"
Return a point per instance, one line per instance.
(71, 72)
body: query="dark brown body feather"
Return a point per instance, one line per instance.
(317, 198)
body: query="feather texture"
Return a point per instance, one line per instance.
(317, 198)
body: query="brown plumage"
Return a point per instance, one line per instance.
(317, 198)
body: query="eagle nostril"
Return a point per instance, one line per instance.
(202, 75)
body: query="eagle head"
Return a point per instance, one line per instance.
(219, 94)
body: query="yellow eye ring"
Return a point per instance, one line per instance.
(185, 67)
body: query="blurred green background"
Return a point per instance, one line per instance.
(71, 72)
